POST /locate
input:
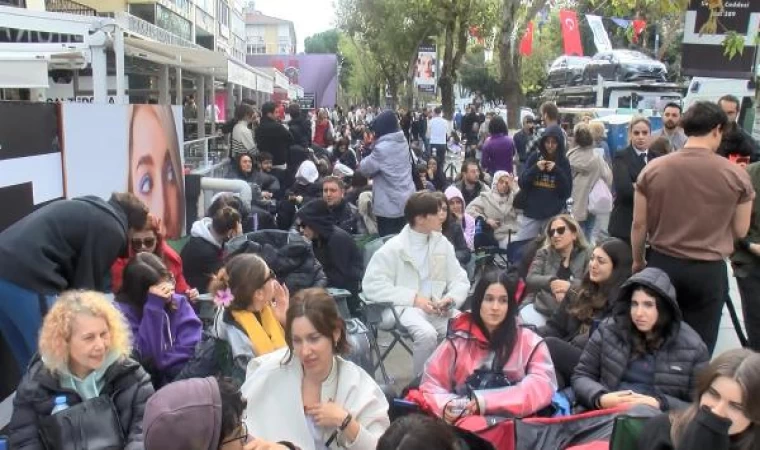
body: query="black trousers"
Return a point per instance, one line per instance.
(565, 357)
(390, 225)
(701, 288)
(749, 288)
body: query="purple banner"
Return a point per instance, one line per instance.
(317, 73)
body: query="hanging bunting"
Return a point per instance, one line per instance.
(601, 40)
(526, 44)
(622, 23)
(571, 34)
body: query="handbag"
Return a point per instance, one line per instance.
(600, 199)
(91, 425)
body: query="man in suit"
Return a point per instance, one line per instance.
(626, 166)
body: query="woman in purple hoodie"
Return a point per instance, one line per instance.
(499, 149)
(165, 329)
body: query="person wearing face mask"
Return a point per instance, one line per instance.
(251, 316)
(202, 255)
(557, 267)
(307, 393)
(489, 340)
(645, 354)
(723, 418)
(82, 387)
(164, 326)
(626, 166)
(567, 330)
(150, 239)
(496, 207)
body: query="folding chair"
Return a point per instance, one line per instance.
(377, 319)
(626, 431)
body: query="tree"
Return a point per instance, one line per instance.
(324, 42)
(475, 74)
(547, 46)
(364, 81)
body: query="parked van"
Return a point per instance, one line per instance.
(712, 89)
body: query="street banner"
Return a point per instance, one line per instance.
(426, 69)
(571, 34)
(601, 39)
(526, 44)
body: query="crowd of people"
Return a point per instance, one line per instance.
(611, 298)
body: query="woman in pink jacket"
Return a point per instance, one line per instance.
(489, 364)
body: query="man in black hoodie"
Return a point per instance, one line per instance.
(335, 249)
(68, 244)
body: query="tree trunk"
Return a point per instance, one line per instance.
(509, 59)
(446, 79)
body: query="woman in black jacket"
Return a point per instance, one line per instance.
(451, 228)
(567, 331)
(646, 354)
(723, 417)
(84, 349)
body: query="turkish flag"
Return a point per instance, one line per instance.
(571, 33)
(526, 44)
(638, 27)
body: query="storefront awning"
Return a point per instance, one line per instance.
(195, 60)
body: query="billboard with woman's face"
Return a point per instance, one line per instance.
(134, 148)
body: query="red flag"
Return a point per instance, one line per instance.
(571, 34)
(638, 27)
(526, 44)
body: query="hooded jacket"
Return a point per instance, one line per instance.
(390, 168)
(547, 192)
(68, 244)
(259, 180)
(287, 254)
(185, 415)
(124, 381)
(607, 355)
(164, 339)
(468, 222)
(587, 168)
(335, 249)
(543, 270)
(202, 255)
(492, 205)
(466, 349)
(498, 154)
(170, 258)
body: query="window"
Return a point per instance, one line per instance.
(19, 3)
(223, 13)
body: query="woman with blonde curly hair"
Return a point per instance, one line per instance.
(82, 387)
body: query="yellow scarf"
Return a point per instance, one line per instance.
(266, 336)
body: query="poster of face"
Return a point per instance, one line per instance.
(426, 68)
(132, 148)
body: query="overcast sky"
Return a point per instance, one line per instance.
(309, 16)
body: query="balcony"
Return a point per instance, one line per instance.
(69, 7)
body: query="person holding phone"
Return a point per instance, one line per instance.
(488, 364)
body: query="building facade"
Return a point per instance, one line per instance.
(267, 35)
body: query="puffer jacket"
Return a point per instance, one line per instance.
(608, 352)
(544, 269)
(466, 349)
(125, 381)
(289, 255)
(492, 205)
(390, 168)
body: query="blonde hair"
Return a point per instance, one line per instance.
(55, 334)
(573, 225)
(637, 120)
(597, 130)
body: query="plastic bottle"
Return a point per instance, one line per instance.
(60, 405)
(458, 405)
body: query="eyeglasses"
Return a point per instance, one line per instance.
(559, 231)
(272, 276)
(138, 244)
(243, 438)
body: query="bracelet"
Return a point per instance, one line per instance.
(346, 421)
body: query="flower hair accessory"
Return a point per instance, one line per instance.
(223, 297)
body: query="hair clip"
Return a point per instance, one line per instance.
(223, 297)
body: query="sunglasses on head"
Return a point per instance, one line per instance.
(139, 244)
(559, 231)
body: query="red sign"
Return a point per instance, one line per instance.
(571, 33)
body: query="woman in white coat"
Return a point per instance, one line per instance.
(339, 406)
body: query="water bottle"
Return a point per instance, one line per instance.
(60, 405)
(458, 405)
(3, 443)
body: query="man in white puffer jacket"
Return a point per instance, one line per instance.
(418, 271)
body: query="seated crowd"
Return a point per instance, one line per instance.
(578, 327)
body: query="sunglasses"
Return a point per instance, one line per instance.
(559, 231)
(242, 437)
(138, 244)
(272, 276)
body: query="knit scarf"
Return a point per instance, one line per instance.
(266, 336)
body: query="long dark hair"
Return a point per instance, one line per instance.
(143, 271)
(591, 298)
(740, 365)
(641, 343)
(503, 339)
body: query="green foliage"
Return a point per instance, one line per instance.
(547, 46)
(363, 81)
(324, 42)
(477, 74)
(733, 45)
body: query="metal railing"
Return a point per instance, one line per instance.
(207, 156)
(69, 7)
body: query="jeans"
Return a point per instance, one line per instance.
(528, 228)
(700, 291)
(601, 222)
(588, 227)
(389, 225)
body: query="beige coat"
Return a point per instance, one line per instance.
(492, 205)
(587, 167)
